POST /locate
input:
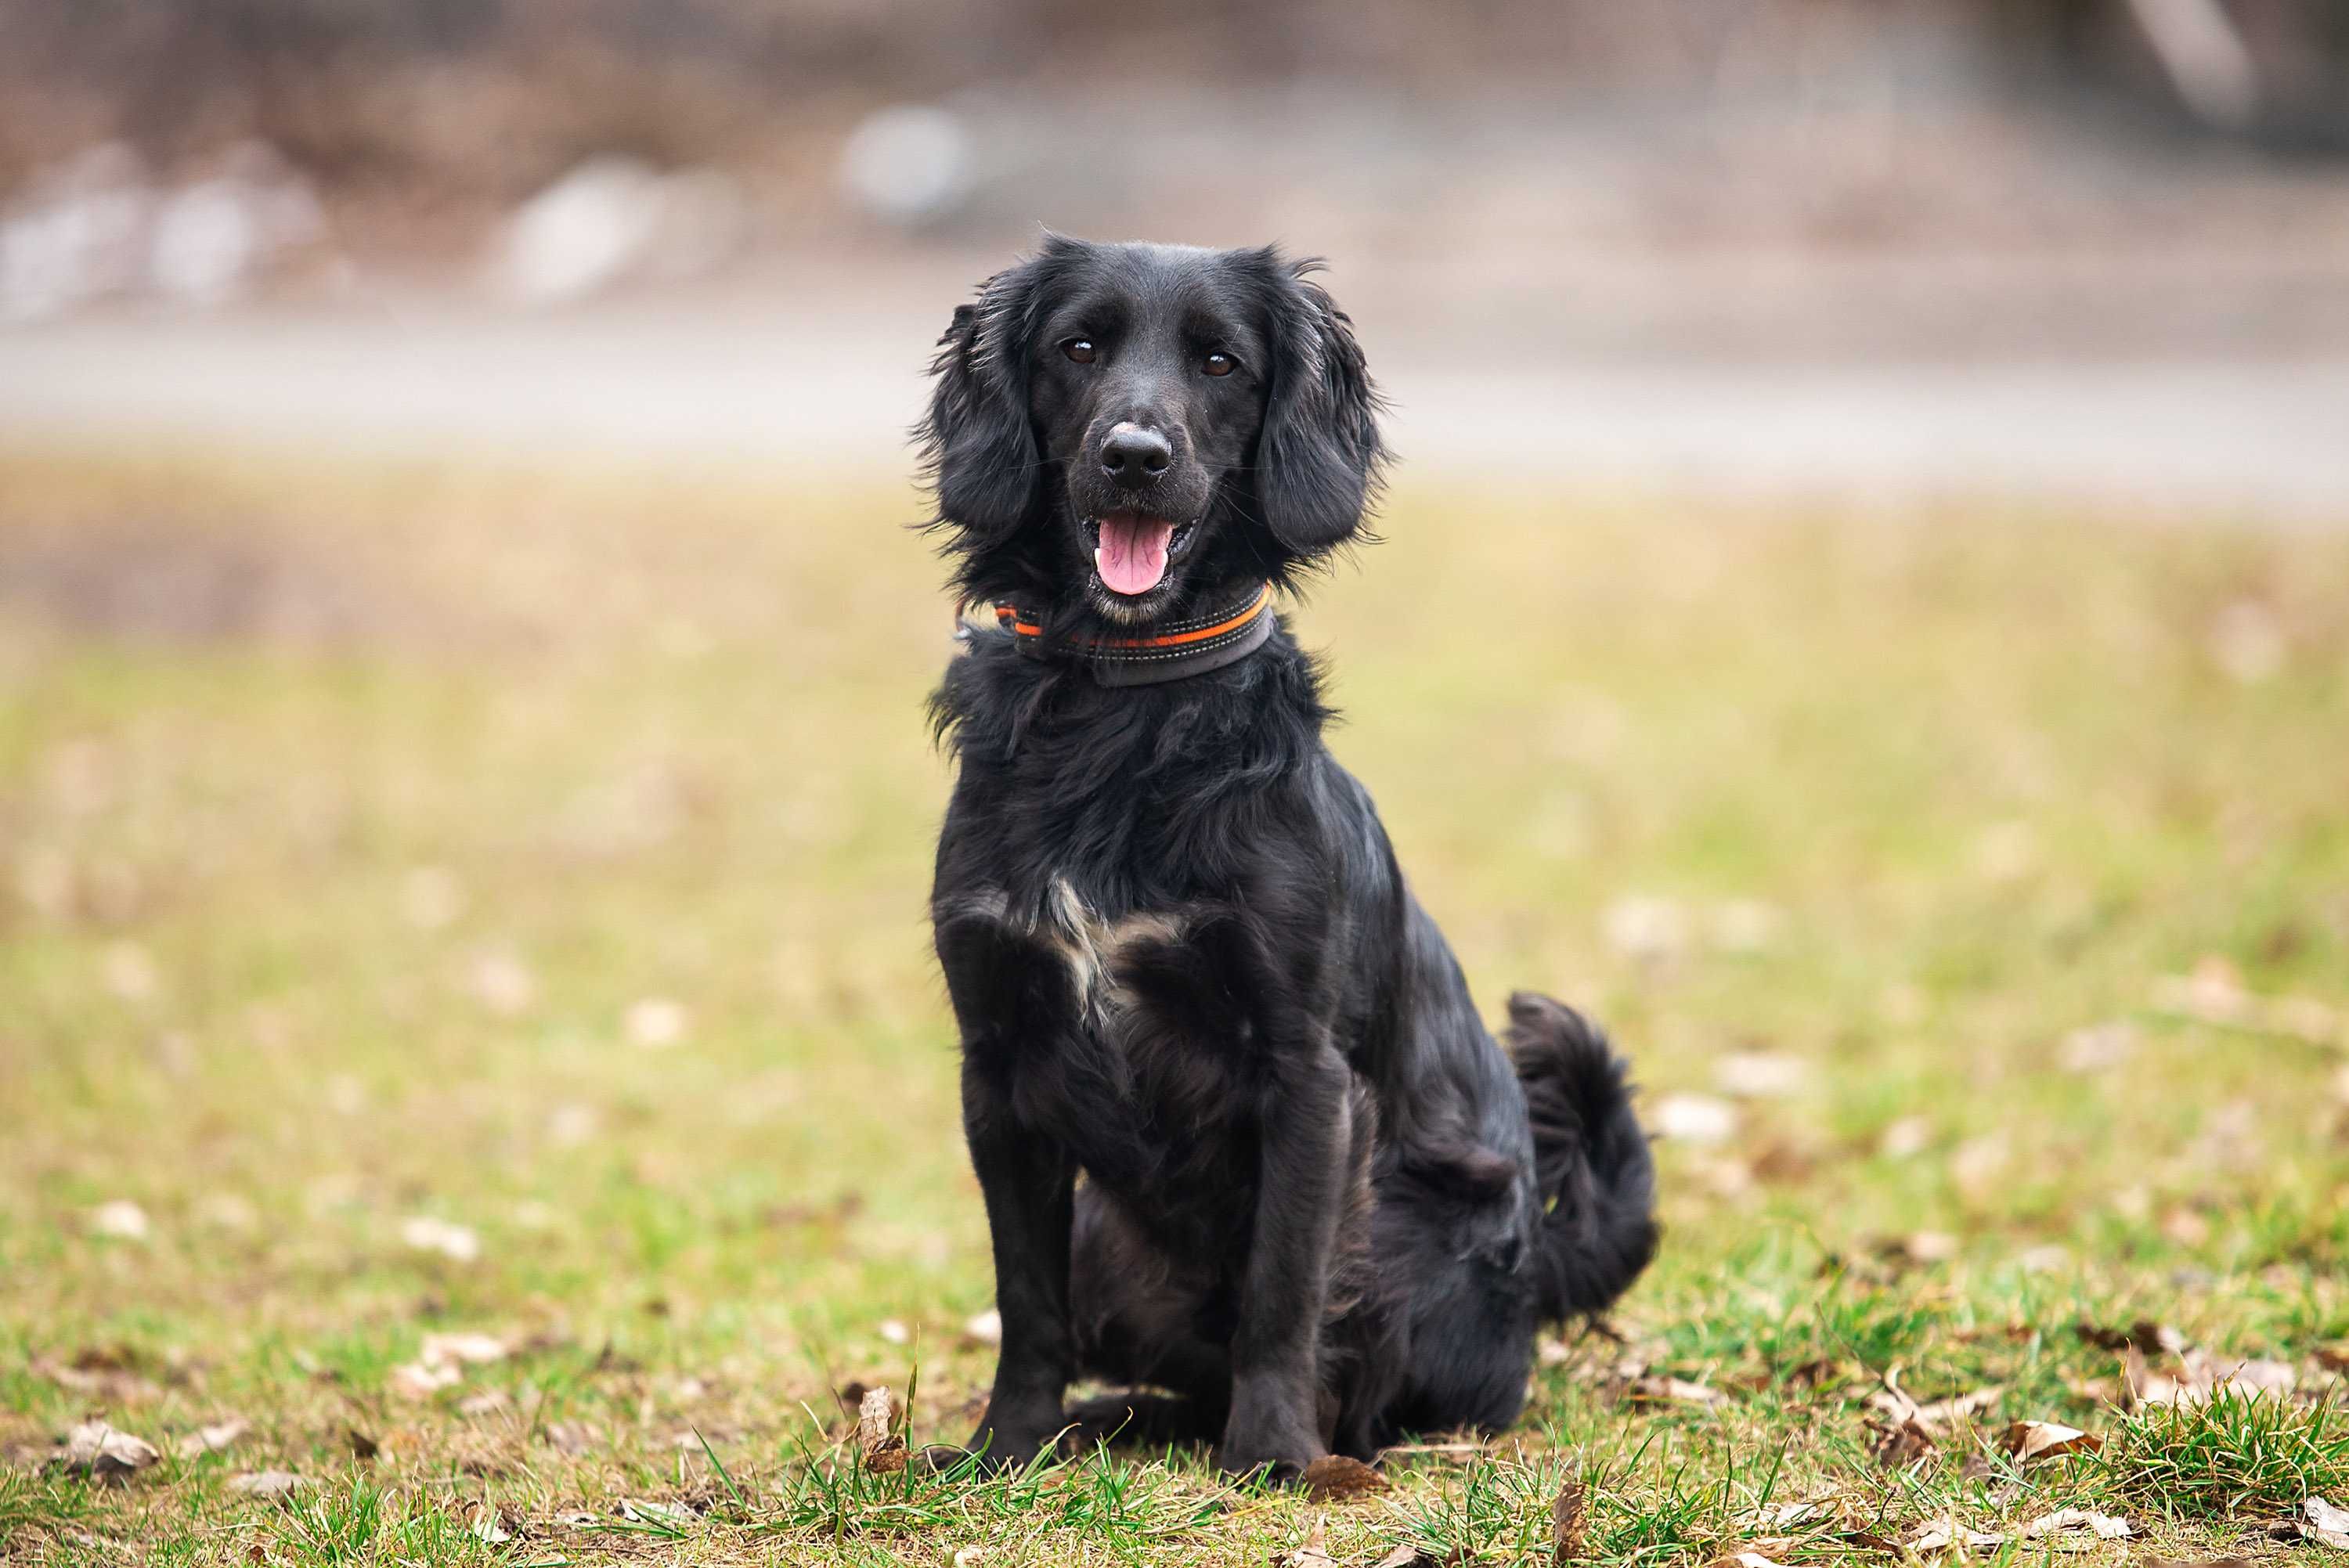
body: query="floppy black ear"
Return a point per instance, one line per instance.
(1319, 457)
(976, 440)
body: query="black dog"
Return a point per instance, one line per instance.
(1319, 1206)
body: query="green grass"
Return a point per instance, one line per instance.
(543, 854)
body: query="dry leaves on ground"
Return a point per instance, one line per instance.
(275, 1483)
(2321, 1521)
(442, 1360)
(1937, 1537)
(880, 1446)
(2077, 1522)
(1906, 1430)
(212, 1440)
(104, 1454)
(458, 1243)
(2031, 1441)
(1313, 1551)
(1568, 1520)
(1334, 1478)
(2196, 1377)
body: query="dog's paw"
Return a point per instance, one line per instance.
(998, 1445)
(1277, 1461)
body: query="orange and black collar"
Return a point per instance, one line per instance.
(1192, 646)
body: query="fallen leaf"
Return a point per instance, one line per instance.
(1761, 1075)
(1568, 1520)
(504, 985)
(2143, 1334)
(97, 1450)
(1920, 1248)
(1941, 1414)
(1977, 1164)
(422, 1380)
(657, 1023)
(266, 1484)
(969, 1556)
(2098, 1048)
(426, 1235)
(1403, 1557)
(490, 1529)
(2321, 1522)
(1646, 929)
(668, 1513)
(1945, 1534)
(569, 1437)
(1901, 1443)
(362, 1445)
(1693, 1118)
(1905, 1138)
(1746, 1559)
(879, 1444)
(121, 1218)
(1333, 1478)
(212, 1440)
(2034, 1440)
(2104, 1526)
(467, 1349)
(1313, 1551)
(105, 1376)
(1662, 1391)
(2200, 1377)
(2334, 1358)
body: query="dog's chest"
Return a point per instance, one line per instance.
(1096, 949)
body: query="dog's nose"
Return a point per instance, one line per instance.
(1135, 455)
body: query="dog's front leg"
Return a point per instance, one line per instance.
(1306, 1132)
(1012, 1000)
(1029, 1182)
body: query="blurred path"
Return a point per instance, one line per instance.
(2181, 431)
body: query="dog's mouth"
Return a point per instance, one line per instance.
(1131, 552)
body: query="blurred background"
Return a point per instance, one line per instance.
(2070, 245)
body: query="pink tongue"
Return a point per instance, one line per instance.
(1131, 556)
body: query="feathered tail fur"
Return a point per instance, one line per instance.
(1590, 1156)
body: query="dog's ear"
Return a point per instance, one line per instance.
(976, 440)
(1319, 456)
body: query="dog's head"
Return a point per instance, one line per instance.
(1123, 429)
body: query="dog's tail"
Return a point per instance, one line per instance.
(1590, 1156)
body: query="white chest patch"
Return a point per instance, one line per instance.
(1090, 946)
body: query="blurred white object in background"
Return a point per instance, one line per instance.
(908, 163)
(211, 238)
(2205, 56)
(612, 219)
(78, 233)
(95, 226)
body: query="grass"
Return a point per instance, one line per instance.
(443, 901)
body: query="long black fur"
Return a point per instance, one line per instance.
(1243, 1138)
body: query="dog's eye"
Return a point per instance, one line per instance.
(1079, 349)
(1219, 364)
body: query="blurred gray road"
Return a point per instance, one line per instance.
(2256, 434)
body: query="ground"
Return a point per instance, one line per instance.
(465, 1016)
